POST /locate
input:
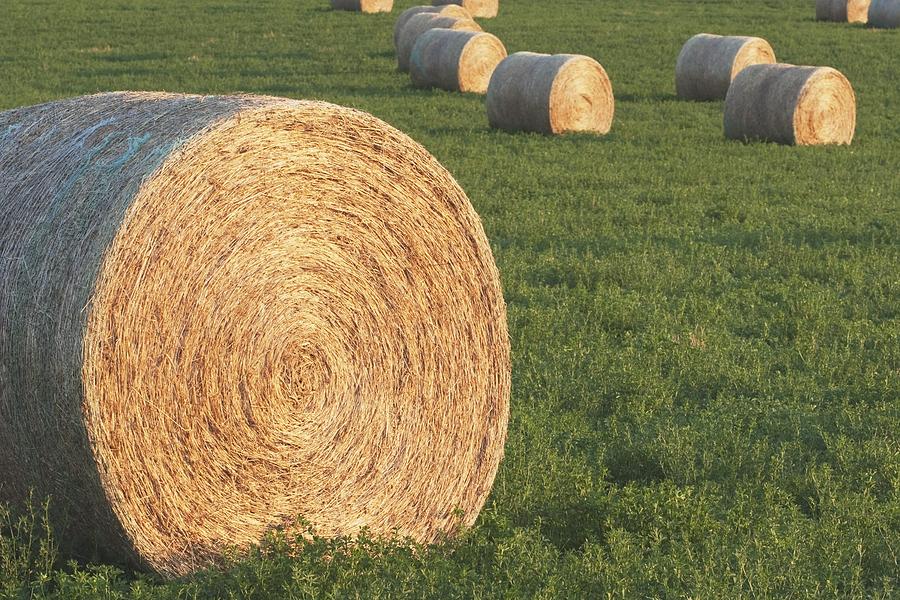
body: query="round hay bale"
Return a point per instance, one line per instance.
(791, 105)
(419, 24)
(707, 64)
(449, 10)
(219, 313)
(550, 94)
(842, 11)
(459, 61)
(366, 6)
(884, 14)
(481, 9)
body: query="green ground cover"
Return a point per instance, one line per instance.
(705, 334)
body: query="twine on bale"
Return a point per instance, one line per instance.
(460, 61)
(481, 9)
(791, 105)
(449, 10)
(884, 14)
(366, 6)
(220, 313)
(550, 94)
(708, 63)
(842, 11)
(419, 24)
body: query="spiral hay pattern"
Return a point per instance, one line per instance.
(449, 10)
(708, 63)
(482, 9)
(460, 61)
(791, 105)
(419, 24)
(842, 11)
(550, 94)
(219, 313)
(366, 6)
(884, 14)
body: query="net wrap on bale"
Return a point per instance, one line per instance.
(366, 6)
(842, 11)
(220, 313)
(791, 105)
(884, 14)
(708, 63)
(455, 60)
(482, 9)
(419, 24)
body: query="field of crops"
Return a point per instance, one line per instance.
(705, 333)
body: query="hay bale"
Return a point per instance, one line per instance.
(884, 14)
(842, 11)
(419, 24)
(791, 105)
(550, 94)
(450, 10)
(459, 61)
(707, 64)
(217, 313)
(366, 6)
(482, 9)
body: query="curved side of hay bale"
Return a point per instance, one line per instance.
(884, 14)
(842, 11)
(708, 63)
(550, 94)
(419, 24)
(449, 10)
(481, 9)
(455, 60)
(791, 105)
(220, 313)
(366, 6)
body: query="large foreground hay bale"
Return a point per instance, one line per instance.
(482, 9)
(884, 14)
(460, 61)
(791, 105)
(550, 94)
(450, 10)
(419, 24)
(852, 11)
(217, 313)
(366, 6)
(708, 63)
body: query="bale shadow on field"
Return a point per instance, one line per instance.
(568, 526)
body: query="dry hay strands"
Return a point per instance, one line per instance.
(481, 9)
(884, 14)
(842, 11)
(550, 94)
(419, 24)
(459, 61)
(219, 313)
(708, 63)
(448, 10)
(791, 105)
(366, 6)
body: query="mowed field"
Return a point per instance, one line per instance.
(705, 333)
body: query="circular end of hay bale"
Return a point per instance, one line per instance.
(755, 51)
(826, 110)
(478, 61)
(448, 10)
(419, 24)
(581, 99)
(365, 6)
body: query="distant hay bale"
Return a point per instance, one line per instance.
(884, 14)
(449, 10)
(366, 6)
(550, 94)
(460, 61)
(481, 9)
(219, 313)
(708, 63)
(791, 105)
(419, 24)
(844, 11)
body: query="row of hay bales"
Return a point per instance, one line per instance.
(880, 14)
(442, 46)
(765, 100)
(482, 9)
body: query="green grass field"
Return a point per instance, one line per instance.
(705, 334)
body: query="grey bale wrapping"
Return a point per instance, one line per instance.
(708, 63)
(884, 14)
